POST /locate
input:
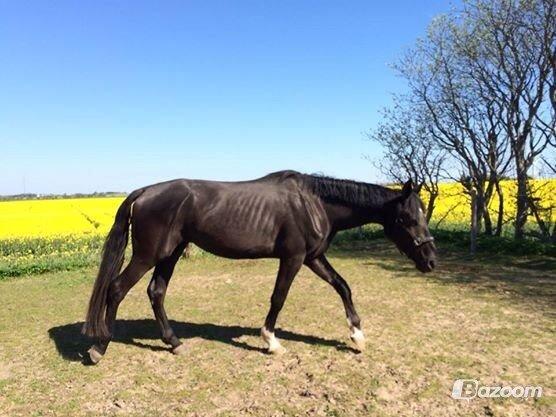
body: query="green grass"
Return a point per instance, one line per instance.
(492, 321)
(458, 240)
(40, 255)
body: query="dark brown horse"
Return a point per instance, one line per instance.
(285, 215)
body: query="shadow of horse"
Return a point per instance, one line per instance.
(71, 344)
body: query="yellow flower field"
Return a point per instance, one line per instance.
(60, 217)
(94, 216)
(452, 205)
(62, 234)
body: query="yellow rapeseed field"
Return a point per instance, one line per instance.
(47, 235)
(94, 216)
(63, 234)
(59, 217)
(452, 205)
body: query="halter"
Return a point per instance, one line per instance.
(417, 241)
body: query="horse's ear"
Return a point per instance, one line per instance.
(407, 188)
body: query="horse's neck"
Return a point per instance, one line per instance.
(349, 203)
(343, 217)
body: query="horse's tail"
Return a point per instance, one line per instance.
(113, 254)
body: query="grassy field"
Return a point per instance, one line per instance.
(488, 319)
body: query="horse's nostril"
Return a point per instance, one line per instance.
(431, 264)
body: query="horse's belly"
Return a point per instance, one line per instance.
(236, 246)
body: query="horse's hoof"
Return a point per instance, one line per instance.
(179, 349)
(274, 346)
(94, 355)
(359, 344)
(277, 350)
(358, 340)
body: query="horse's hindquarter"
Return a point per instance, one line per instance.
(248, 220)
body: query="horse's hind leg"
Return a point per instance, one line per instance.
(157, 291)
(117, 291)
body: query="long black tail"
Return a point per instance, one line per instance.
(112, 260)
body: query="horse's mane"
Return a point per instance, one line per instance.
(359, 194)
(330, 189)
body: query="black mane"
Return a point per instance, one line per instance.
(359, 194)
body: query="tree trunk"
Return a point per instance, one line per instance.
(488, 222)
(544, 228)
(500, 220)
(430, 205)
(480, 209)
(474, 224)
(486, 214)
(521, 205)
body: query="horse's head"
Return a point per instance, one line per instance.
(405, 224)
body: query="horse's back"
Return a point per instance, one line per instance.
(266, 217)
(240, 219)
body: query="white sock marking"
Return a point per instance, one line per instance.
(273, 343)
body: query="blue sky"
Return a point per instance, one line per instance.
(113, 95)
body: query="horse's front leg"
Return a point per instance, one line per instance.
(324, 270)
(286, 273)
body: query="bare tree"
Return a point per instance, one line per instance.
(464, 118)
(513, 61)
(409, 150)
(487, 76)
